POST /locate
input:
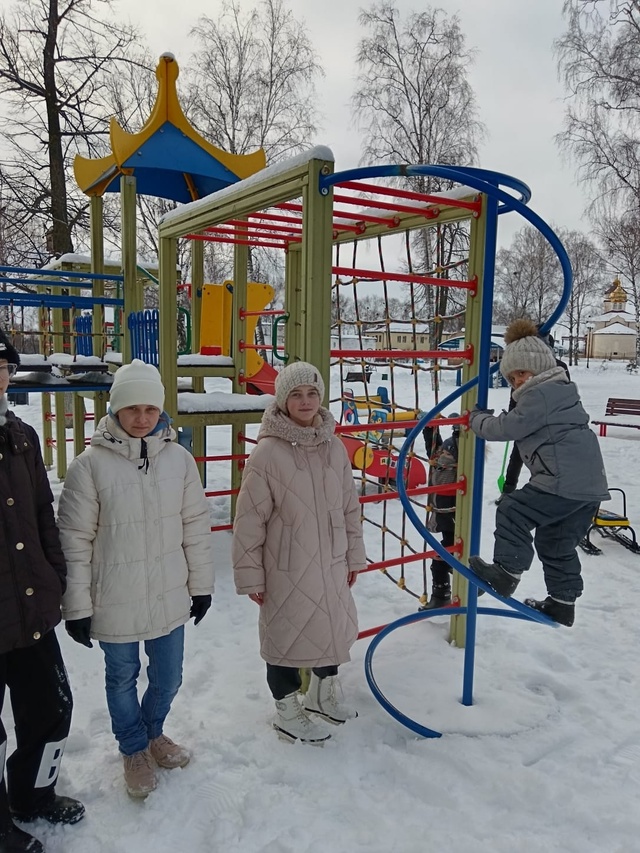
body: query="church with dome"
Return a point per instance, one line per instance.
(613, 334)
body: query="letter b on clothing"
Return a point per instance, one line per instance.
(50, 764)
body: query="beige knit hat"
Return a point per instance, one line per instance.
(136, 384)
(293, 376)
(525, 350)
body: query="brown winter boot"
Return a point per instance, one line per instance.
(139, 773)
(166, 753)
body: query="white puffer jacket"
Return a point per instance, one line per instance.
(136, 535)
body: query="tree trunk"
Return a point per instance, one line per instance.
(61, 231)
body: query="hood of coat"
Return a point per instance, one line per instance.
(554, 374)
(110, 434)
(275, 424)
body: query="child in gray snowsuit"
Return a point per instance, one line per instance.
(568, 480)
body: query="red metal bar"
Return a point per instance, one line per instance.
(266, 244)
(250, 234)
(222, 527)
(412, 558)
(447, 489)
(271, 313)
(243, 346)
(277, 217)
(221, 493)
(369, 632)
(391, 221)
(426, 212)
(242, 226)
(230, 457)
(411, 278)
(416, 196)
(402, 353)
(246, 439)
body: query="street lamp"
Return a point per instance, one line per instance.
(590, 328)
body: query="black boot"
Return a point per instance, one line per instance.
(55, 810)
(559, 611)
(440, 597)
(14, 840)
(499, 579)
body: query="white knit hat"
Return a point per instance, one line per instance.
(293, 376)
(136, 384)
(525, 350)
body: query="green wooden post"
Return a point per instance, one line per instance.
(133, 289)
(61, 436)
(293, 336)
(467, 445)
(47, 432)
(169, 323)
(317, 230)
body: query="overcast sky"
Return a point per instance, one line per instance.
(514, 78)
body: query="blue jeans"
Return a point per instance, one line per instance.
(135, 723)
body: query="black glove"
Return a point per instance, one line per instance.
(79, 630)
(199, 606)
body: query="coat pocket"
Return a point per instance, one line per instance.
(284, 551)
(338, 534)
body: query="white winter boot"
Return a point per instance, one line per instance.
(293, 723)
(322, 698)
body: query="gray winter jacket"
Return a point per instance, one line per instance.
(551, 430)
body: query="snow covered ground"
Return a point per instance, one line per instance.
(547, 758)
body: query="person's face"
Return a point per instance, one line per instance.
(303, 404)
(519, 377)
(139, 421)
(6, 372)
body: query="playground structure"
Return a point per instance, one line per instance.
(310, 213)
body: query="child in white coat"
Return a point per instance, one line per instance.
(297, 549)
(135, 530)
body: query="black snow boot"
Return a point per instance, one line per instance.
(499, 579)
(560, 611)
(440, 597)
(56, 810)
(15, 840)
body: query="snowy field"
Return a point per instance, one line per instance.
(547, 758)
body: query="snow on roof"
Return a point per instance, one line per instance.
(264, 176)
(219, 401)
(116, 262)
(615, 329)
(626, 316)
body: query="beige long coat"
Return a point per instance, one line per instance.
(296, 537)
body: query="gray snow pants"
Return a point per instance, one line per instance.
(559, 525)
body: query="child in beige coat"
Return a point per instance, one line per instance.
(297, 550)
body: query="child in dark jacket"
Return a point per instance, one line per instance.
(568, 480)
(443, 461)
(32, 580)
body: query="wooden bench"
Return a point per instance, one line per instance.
(619, 406)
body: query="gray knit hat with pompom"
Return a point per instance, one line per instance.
(293, 376)
(525, 350)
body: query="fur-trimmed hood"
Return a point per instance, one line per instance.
(555, 374)
(275, 424)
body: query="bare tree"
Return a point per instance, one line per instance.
(599, 63)
(254, 80)
(54, 62)
(588, 283)
(620, 238)
(528, 279)
(414, 104)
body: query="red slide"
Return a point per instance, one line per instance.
(263, 381)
